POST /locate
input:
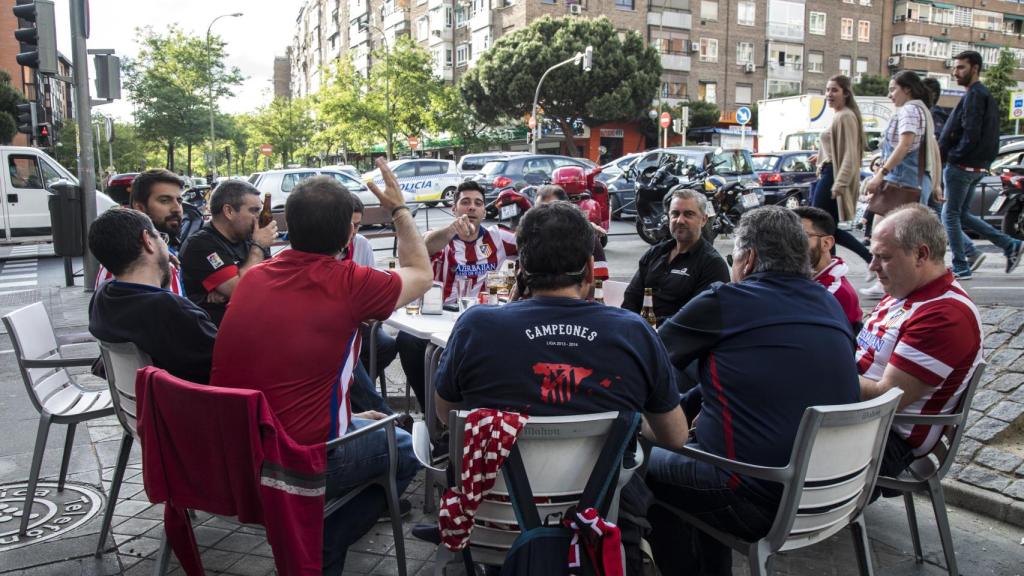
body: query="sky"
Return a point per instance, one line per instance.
(264, 31)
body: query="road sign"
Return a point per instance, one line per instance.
(414, 142)
(266, 150)
(1017, 108)
(743, 115)
(666, 120)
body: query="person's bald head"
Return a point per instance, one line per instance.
(908, 249)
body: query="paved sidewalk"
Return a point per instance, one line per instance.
(984, 545)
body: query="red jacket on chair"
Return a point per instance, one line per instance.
(222, 451)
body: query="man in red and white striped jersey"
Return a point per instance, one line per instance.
(924, 337)
(464, 249)
(827, 270)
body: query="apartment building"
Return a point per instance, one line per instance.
(924, 35)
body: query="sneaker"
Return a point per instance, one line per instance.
(427, 532)
(1013, 258)
(975, 260)
(873, 291)
(963, 275)
(404, 508)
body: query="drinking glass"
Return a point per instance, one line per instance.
(413, 307)
(464, 293)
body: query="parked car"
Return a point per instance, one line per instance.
(786, 177)
(346, 168)
(471, 164)
(280, 183)
(617, 167)
(428, 180)
(521, 171)
(990, 186)
(119, 187)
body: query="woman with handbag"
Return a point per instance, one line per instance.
(839, 158)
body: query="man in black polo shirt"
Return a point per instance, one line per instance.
(680, 268)
(216, 257)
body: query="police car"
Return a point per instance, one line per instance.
(427, 179)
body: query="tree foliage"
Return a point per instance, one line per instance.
(623, 81)
(9, 99)
(169, 82)
(999, 80)
(872, 85)
(703, 114)
(285, 124)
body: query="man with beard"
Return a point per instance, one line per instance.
(679, 268)
(828, 271)
(136, 307)
(157, 194)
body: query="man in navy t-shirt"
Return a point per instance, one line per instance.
(559, 354)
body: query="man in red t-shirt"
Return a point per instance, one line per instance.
(829, 271)
(290, 332)
(924, 337)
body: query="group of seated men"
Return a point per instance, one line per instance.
(760, 337)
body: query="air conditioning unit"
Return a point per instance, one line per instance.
(945, 31)
(575, 9)
(984, 36)
(436, 33)
(749, 67)
(694, 47)
(949, 63)
(894, 61)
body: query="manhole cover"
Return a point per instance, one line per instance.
(53, 513)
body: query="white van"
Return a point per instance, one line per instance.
(25, 176)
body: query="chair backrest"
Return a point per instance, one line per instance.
(834, 465)
(558, 454)
(122, 360)
(942, 455)
(33, 339)
(614, 292)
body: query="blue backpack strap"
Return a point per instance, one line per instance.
(519, 490)
(605, 474)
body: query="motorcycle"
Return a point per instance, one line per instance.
(509, 206)
(726, 204)
(586, 191)
(1010, 202)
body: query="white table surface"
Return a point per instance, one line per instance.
(423, 325)
(440, 339)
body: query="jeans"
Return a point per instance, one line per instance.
(822, 198)
(349, 466)
(386, 350)
(956, 215)
(364, 395)
(702, 490)
(410, 351)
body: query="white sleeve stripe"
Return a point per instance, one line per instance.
(933, 365)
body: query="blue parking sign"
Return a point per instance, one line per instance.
(1018, 103)
(743, 115)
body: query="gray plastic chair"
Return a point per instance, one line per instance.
(926, 474)
(121, 361)
(826, 485)
(53, 392)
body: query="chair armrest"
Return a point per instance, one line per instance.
(378, 425)
(75, 338)
(422, 446)
(929, 420)
(58, 363)
(762, 472)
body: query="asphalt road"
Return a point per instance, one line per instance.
(990, 286)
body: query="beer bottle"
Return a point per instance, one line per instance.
(266, 216)
(391, 265)
(508, 279)
(492, 295)
(648, 310)
(599, 291)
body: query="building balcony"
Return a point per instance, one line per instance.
(789, 71)
(786, 32)
(436, 4)
(357, 8)
(480, 20)
(395, 18)
(675, 62)
(442, 36)
(445, 73)
(357, 36)
(670, 4)
(681, 20)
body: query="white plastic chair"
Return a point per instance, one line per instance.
(53, 392)
(558, 453)
(121, 361)
(826, 485)
(926, 474)
(614, 292)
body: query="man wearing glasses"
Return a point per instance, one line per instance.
(135, 306)
(829, 271)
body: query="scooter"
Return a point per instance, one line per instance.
(1010, 202)
(509, 207)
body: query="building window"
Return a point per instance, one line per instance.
(865, 2)
(708, 9)
(844, 65)
(744, 94)
(782, 87)
(673, 86)
(422, 29)
(863, 31)
(462, 53)
(862, 68)
(744, 53)
(746, 13)
(962, 16)
(624, 4)
(709, 50)
(669, 41)
(846, 28)
(708, 92)
(786, 20)
(816, 23)
(815, 62)
(461, 16)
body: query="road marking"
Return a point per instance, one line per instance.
(31, 264)
(6, 276)
(8, 292)
(16, 284)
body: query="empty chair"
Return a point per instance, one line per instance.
(926, 474)
(122, 361)
(53, 392)
(826, 485)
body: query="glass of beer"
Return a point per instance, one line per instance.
(464, 292)
(413, 307)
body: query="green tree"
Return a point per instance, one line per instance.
(450, 114)
(168, 82)
(703, 114)
(9, 100)
(624, 79)
(871, 85)
(286, 124)
(999, 80)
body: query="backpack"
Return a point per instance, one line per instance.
(582, 542)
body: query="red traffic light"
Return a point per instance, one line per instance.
(44, 131)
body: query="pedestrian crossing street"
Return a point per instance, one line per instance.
(19, 276)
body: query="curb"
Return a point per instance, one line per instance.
(984, 502)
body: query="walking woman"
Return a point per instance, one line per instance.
(839, 158)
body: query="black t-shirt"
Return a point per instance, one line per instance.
(208, 259)
(674, 283)
(177, 334)
(556, 356)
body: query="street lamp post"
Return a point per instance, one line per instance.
(587, 58)
(209, 73)
(389, 122)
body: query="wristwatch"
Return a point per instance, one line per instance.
(884, 171)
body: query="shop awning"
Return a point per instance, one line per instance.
(986, 45)
(1013, 17)
(940, 39)
(942, 5)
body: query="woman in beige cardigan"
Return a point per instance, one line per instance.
(839, 157)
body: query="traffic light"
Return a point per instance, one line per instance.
(39, 39)
(43, 136)
(28, 117)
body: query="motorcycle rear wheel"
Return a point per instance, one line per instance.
(1013, 221)
(652, 237)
